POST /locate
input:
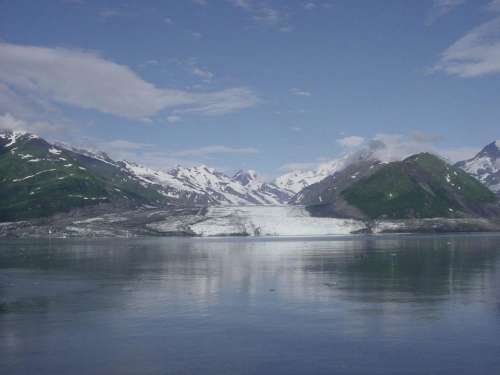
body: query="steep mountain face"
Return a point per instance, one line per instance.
(263, 191)
(485, 166)
(39, 179)
(204, 185)
(421, 186)
(326, 196)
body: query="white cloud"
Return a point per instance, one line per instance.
(10, 122)
(168, 20)
(458, 154)
(475, 54)
(351, 141)
(261, 11)
(298, 92)
(172, 119)
(122, 144)
(216, 149)
(77, 2)
(424, 137)
(494, 6)
(221, 102)
(7, 121)
(202, 73)
(442, 7)
(299, 166)
(310, 6)
(392, 147)
(86, 80)
(109, 13)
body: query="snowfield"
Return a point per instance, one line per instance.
(270, 221)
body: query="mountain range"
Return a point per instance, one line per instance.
(40, 179)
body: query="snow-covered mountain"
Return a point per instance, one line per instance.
(199, 184)
(485, 166)
(297, 180)
(209, 186)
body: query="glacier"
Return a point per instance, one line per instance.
(259, 221)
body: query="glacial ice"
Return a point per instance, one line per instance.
(270, 221)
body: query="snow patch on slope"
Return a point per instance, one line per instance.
(12, 136)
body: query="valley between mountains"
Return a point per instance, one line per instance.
(56, 190)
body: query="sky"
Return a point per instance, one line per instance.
(269, 85)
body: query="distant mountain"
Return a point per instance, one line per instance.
(295, 181)
(420, 186)
(485, 166)
(213, 187)
(38, 179)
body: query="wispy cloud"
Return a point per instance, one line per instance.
(351, 141)
(391, 147)
(494, 6)
(200, 72)
(216, 149)
(299, 92)
(109, 13)
(86, 80)
(441, 8)
(299, 166)
(122, 144)
(7, 121)
(475, 54)
(310, 5)
(78, 2)
(10, 122)
(222, 102)
(262, 11)
(459, 153)
(152, 156)
(172, 119)
(423, 137)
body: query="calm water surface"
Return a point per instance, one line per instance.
(362, 305)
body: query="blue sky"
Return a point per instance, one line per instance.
(261, 84)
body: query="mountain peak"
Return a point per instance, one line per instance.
(492, 150)
(10, 137)
(244, 177)
(485, 166)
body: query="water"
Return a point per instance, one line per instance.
(362, 305)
